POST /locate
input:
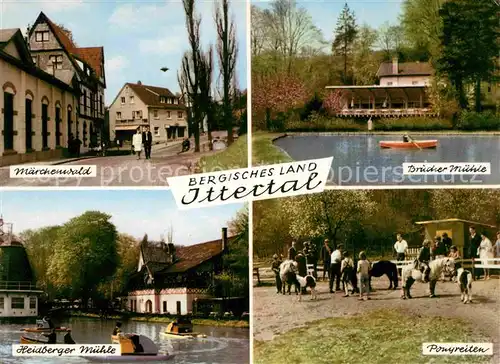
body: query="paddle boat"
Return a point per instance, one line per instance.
(38, 340)
(134, 347)
(182, 328)
(413, 144)
(44, 326)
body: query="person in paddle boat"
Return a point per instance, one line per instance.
(136, 343)
(51, 337)
(68, 339)
(117, 330)
(406, 138)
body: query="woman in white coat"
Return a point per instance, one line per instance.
(485, 252)
(137, 143)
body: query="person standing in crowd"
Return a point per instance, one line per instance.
(400, 247)
(137, 142)
(306, 251)
(485, 252)
(326, 255)
(364, 276)
(455, 255)
(472, 248)
(346, 270)
(439, 248)
(496, 248)
(276, 269)
(313, 259)
(447, 242)
(301, 267)
(336, 259)
(147, 140)
(292, 252)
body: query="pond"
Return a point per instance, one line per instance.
(222, 345)
(359, 160)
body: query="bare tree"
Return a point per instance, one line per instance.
(206, 74)
(227, 51)
(190, 76)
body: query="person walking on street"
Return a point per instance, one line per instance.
(147, 140)
(137, 142)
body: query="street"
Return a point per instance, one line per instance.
(118, 170)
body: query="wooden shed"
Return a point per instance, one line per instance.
(457, 229)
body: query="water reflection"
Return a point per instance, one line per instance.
(222, 345)
(357, 156)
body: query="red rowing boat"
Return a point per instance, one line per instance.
(417, 144)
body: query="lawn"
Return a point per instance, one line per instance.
(265, 152)
(383, 336)
(236, 156)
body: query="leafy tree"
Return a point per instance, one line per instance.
(470, 45)
(365, 61)
(391, 39)
(333, 102)
(345, 36)
(85, 255)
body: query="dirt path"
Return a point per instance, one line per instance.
(276, 314)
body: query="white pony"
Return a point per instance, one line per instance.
(411, 274)
(288, 275)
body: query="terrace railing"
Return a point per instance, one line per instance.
(386, 112)
(18, 286)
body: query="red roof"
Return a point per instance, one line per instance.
(93, 56)
(61, 35)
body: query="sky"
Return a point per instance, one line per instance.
(325, 13)
(134, 212)
(139, 37)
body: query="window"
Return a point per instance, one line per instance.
(2, 303)
(155, 114)
(42, 36)
(118, 115)
(131, 99)
(162, 99)
(17, 302)
(180, 115)
(123, 100)
(157, 131)
(389, 83)
(137, 114)
(169, 115)
(414, 82)
(57, 62)
(33, 303)
(169, 100)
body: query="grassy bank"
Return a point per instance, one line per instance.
(167, 320)
(236, 156)
(265, 152)
(384, 336)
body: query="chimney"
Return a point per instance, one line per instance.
(224, 239)
(395, 67)
(139, 82)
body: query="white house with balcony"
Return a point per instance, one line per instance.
(18, 291)
(402, 91)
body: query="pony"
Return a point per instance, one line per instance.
(412, 274)
(307, 281)
(464, 280)
(389, 269)
(288, 276)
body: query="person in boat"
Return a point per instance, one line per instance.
(137, 345)
(117, 330)
(406, 138)
(68, 339)
(51, 337)
(48, 322)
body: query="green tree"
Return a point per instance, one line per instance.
(85, 255)
(344, 38)
(470, 45)
(365, 60)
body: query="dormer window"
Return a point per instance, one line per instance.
(42, 36)
(162, 99)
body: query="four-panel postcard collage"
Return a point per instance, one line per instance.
(250, 181)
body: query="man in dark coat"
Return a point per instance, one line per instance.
(147, 140)
(326, 255)
(447, 242)
(474, 242)
(292, 252)
(301, 266)
(313, 259)
(423, 260)
(276, 269)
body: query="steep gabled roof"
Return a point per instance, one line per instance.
(406, 69)
(15, 35)
(93, 56)
(61, 35)
(150, 95)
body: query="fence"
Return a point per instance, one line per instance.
(266, 275)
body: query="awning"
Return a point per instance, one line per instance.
(377, 92)
(127, 127)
